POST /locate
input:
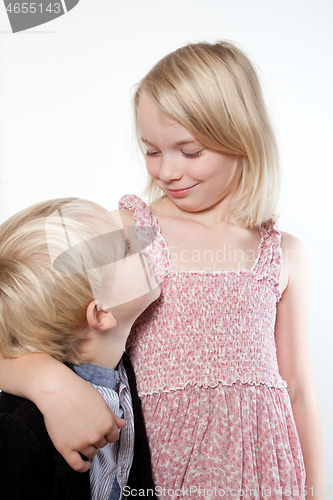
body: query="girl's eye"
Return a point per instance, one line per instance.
(151, 153)
(193, 155)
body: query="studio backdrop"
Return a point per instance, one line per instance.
(66, 129)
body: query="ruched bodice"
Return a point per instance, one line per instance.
(230, 340)
(216, 408)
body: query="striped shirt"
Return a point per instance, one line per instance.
(111, 466)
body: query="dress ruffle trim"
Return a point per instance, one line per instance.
(269, 263)
(238, 381)
(157, 253)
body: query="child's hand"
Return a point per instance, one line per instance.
(77, 418)
(82, 427)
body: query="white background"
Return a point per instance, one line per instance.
(66, 130)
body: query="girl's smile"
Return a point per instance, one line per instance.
(178, 193)
(194, 177)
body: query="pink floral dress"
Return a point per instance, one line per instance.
(218, 413)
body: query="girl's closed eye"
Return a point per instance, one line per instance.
(187, 155)
(151, 153)
(196, 154)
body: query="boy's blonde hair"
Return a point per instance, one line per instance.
(213, 90)
(42, 309)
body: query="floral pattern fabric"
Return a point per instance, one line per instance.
(218, 413)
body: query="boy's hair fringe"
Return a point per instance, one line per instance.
(41, 309)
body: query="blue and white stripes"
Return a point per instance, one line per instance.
(113, 462)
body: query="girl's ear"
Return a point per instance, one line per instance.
(100, 320)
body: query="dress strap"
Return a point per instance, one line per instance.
(157, 252)
(142, 213)
(269, 263)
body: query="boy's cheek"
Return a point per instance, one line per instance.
(129, 279)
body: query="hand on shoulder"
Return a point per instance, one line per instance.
(76, 416)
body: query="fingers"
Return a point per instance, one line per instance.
(101, 442)
(90, 451)
(85, 438)
(113, 433)
(74, 460)
(120, 422)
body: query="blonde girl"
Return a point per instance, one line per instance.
(222, 357)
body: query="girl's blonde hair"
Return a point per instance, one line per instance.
(213, 90)
(42, 309)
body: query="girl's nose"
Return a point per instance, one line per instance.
(169, 171)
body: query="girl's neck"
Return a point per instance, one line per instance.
(204, 241)
(213, 216)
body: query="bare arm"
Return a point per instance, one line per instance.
(294, 361)
(76, 416)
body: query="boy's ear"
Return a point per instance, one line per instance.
(100, 320)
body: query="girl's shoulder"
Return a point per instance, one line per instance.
(294, 258)
(133, 210)
(293, 249)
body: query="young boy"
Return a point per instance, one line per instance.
(71, 285)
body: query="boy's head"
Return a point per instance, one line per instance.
(56, 258)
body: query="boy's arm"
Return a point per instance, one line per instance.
(76, 416)
(291, 335)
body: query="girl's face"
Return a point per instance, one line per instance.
(194, 177)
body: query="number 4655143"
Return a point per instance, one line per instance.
(33, 7)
